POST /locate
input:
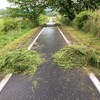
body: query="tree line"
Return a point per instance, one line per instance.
(31, 9)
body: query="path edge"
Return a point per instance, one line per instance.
(92, 77)
(4, 81)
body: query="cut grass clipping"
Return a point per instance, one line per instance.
(77, 56)
(20, 61)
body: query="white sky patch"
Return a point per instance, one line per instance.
(4, 4)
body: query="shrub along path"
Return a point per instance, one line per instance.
(51, 82)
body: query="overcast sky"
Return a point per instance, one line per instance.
(4, 4)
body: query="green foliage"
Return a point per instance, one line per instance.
(13, 28)
(18, 41)
(69, 8)
(77, 56)
(65, 7)
(20, 61)
(25, 23)
(83, 5)
(42, 19)
(81, 19)
(88, 22)
(9, 24)
(1, 22)
(92, 25)
(30, 9)
(65, 20)
(11, 36)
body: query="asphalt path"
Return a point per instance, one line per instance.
(50, 82)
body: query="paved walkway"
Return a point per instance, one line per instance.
(50, 82)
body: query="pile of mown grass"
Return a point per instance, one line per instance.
(20, 61)
(77, 56)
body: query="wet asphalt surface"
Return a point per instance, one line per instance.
(50, 82)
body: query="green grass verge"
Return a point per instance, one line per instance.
(1, 76)
(14, 44)
(20, 61)
(11, 36)
(18, 41)
(77, 56)
(1, 22)
(83, 38)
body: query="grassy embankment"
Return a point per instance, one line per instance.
(14, 32)
(85, 30)
(13, 45)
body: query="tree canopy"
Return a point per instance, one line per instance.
(70, 8)
(87, 5)
(30, 9)
(33, 8)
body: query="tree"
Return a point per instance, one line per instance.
(69, 8)
(91, 5)
(30, 9)
(65, 7)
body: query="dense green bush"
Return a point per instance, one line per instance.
(13, 28)
(1, 22)
(42, 19)
(77, 56)
(20, 61)
(64, 20)
(11, 36)
(9, 24)
(81, 19)
(25, 23)
(92, 25)
(16, 24)
(88, 22)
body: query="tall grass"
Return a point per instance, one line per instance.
(11, 36)
(81, 19)
(1, 22)
(42, 19)
(88, 22)
(92, 25)
(12, 29)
